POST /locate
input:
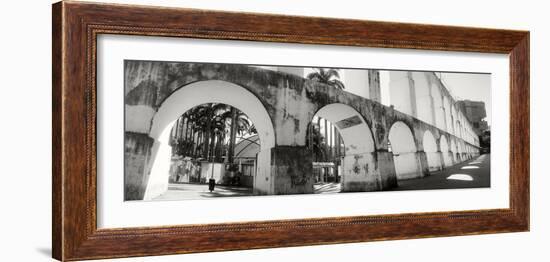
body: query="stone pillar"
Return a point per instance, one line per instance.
(386, 168)
(442, 164)
(263, 184)
(434, 160)
(410, 165)
(412, 93)
(292, 172)
(444, 113)
(137, 155)
(359, 173)
(423, 165)
(451, 157)
(372, 171)
(432, 105)
(157, 170)
(374, 85)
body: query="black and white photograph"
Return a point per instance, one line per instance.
(269, 131)
(198, 130)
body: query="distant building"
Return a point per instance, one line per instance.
(475, 113)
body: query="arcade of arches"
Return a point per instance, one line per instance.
(378, 145)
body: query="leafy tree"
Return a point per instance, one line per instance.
(205, 131)
(328, 76)
(315, 143)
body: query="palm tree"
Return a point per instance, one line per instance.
(239, 123)
(328, 76)
(315, 142)
(202, 131)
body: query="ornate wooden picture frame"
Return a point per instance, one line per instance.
(76, 26)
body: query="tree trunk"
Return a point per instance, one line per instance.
(326, 141)
(212, 145)
(232, 136)
(195, 144)
(186, 137)
(198, 146)
(177, 129)
(320, 142)
(336, 154)
(208, 132)
(219, 148)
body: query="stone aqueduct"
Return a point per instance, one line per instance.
(281, 106)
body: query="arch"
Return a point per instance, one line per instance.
(197, 93)
(430, 148)
(351, 125)
(358, 161)
(447, 155)
(404, 150)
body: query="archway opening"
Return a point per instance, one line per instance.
(401, 144)
(212, 141)
(342, 146)
(432, 154)
(220, 102)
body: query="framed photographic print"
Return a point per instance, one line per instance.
(181, 130)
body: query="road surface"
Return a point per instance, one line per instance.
(469, 174)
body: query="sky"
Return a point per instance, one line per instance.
(475, 87)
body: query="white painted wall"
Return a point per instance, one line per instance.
(438, 107)
(207, 172)
(430, 148)
(400, 95)
(385, 87)
(262, 180)
(424, 100)
(447, 154)
(404, 151)
(448, 120)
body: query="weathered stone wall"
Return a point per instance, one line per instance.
(290, 102)
(137, 153)
(290, 173)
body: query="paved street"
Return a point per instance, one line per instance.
(469, 174)
(200, 191)
(324, 188)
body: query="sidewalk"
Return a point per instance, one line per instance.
(474, 173)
